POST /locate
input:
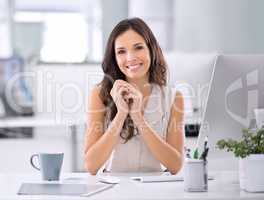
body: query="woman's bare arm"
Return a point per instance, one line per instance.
(99, 145)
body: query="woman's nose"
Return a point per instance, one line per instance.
(130, 56)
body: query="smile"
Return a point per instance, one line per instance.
(134, 67)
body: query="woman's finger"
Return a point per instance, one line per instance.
(123, 91)
(131, 97)
(130, 87)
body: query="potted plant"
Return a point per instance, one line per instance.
(250, 151)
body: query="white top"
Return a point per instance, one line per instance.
(134, 155)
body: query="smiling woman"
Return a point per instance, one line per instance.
(133, 58)
(135, 122)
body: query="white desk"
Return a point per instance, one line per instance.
(16, 122)
(225, 186)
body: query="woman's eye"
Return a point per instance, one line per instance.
(120, 52)
(139, 47)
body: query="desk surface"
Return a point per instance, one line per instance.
(225, 186)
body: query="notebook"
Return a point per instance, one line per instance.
(161, 178)
(61, 189)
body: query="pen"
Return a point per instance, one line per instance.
(99, 190)
(196, 153)
(205, 142)
(204, 154)
(187, 151)
(206, 149)
(196, 150)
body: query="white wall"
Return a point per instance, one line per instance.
(61, 92)
(28, 39)
(226, 26)
(5, 27)
(113, 12)
(158, 14)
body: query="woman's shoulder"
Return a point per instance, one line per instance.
(170, 94)
(173, 91)
(96, 90)
(168, 91)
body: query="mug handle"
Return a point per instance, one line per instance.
(32, 162)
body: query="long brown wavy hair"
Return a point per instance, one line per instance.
(157, 70)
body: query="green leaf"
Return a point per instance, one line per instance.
(251, 143)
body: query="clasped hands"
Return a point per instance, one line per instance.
(128, 99)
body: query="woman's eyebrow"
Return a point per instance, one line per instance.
(136, 44)
(139, 43)
(120, 47)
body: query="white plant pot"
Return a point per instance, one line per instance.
(251, 174)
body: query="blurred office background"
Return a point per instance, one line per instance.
(59, 45)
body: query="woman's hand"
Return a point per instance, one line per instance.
(119, 93)
(135, 103)
(128, 99)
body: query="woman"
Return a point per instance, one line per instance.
(135, 123)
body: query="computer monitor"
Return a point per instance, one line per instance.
(236, 89)
(14, 93)
(190, 74)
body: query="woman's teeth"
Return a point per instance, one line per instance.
(133, 66)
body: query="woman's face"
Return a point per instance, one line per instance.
(132, 55)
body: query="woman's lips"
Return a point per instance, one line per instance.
(134, 67)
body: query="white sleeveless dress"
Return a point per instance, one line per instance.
(134, 155)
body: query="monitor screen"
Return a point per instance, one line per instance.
(14, 93)
(15, 96)
(236, 89)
